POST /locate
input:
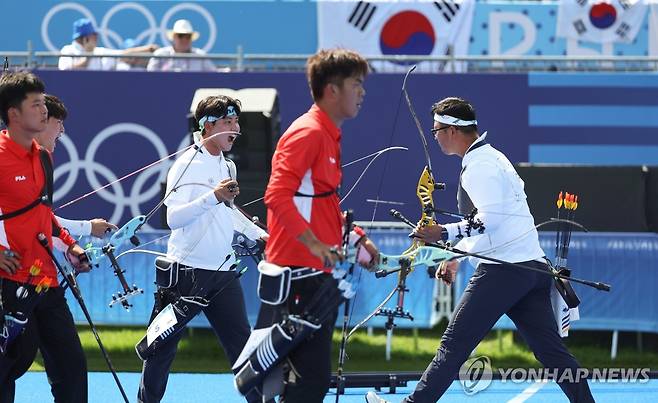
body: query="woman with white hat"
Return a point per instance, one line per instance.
(181, 38)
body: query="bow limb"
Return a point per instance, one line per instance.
(412, 110)
(126, 232)
(254, 219)
(430, 256)
(430, 183)
(421, 256)
(373, 313)
(426, 185)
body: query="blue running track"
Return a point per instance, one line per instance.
(202, 388)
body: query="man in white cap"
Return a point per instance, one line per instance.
(181, 37)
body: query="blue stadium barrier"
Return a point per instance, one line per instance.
(627, 261)
(100, 284)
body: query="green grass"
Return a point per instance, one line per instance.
(199, 351)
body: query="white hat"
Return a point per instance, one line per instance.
(182, 27)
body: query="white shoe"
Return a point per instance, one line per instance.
(371, 397)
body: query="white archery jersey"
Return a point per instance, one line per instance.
(497, 191)
(201, 227)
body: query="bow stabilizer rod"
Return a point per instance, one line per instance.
(460, 254)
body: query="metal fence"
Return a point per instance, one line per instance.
(245, 62)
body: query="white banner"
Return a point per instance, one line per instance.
(601, 21)
(653, 29)
(395, 28)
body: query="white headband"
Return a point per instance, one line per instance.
(453, 121)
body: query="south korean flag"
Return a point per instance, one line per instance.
(607, 21)
(393, 29)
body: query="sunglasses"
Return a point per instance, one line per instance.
(438, 129)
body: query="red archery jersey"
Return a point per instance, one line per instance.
(306, 161)
(21, 181)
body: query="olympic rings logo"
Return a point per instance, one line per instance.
(115, 194)
(110, 36)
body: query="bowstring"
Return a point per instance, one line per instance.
(374, 214)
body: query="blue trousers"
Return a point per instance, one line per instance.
(227, 316)
(492, 291)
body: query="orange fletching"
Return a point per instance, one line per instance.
(44, 285)
(35, 270)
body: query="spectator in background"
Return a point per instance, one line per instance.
(131, 63)
(85, 40)
(181, 37)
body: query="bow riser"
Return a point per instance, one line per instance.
(424, 190)
(95, 255)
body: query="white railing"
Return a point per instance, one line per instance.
(446, 64)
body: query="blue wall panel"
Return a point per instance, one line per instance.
(593, 154)
(122, 121)
(625, 261)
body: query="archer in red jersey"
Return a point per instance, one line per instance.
(304, 219)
